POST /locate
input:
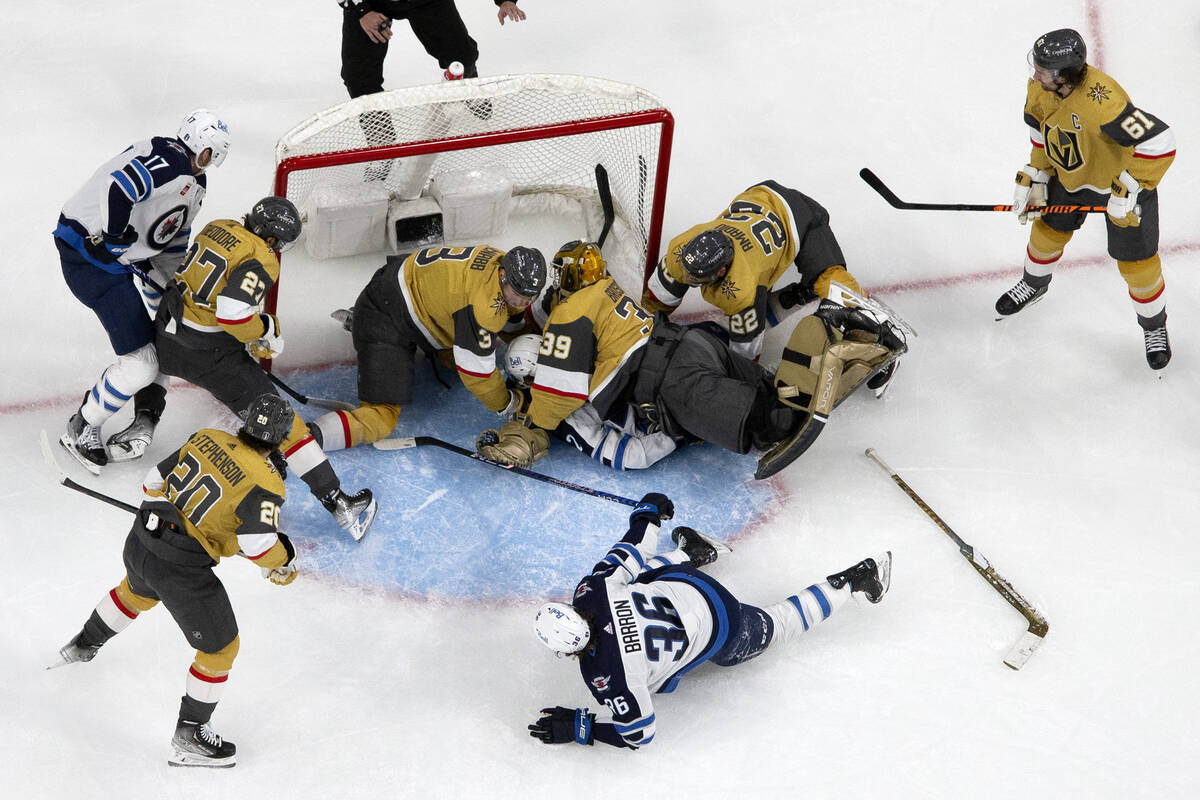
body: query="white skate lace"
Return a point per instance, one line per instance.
(1021, 292)
(1156, 340)
(209, 736)
(89, 438)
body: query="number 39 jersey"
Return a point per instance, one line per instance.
(228, 496)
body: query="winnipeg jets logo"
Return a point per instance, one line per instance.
(601, 682)
(582, 590)
(164, 229)
(1099, 92)
(728, 288)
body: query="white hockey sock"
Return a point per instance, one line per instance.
(335, 431)
(115, 614)
(801, 611)
(118, 384)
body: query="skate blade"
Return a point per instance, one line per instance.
(69, 446)
(716, 544)
(360, 526)
(884, 563)
(1034, 301)
(182, 758)
(130, 450)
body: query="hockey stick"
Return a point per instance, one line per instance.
(62, 478)
(319, 402)
(606, 204)
(875, 183)
(1038, 627)
(405, 442)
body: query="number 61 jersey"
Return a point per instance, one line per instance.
(652, 627)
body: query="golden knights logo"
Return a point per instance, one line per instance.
(729, 288)
(1099, 93)
(1062, 147)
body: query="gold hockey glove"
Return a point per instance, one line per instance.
(1123, 209)
(517, 443)
(271, 343)
(1029, 191)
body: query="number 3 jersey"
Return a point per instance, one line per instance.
(1089, 137)
(228, 496)
(653, 625)
(219, 289)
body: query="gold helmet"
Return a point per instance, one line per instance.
(579, 264)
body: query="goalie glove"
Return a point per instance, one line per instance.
(559, 725)
(271, 343)
(1029, 191)
(516, 444)
(1123, 209)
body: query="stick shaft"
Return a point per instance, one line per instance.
(895, 202)
(63, 479)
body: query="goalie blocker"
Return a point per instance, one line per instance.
(829, 355)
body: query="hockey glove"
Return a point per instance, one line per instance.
(271, 343)
(285, 574)
(559, 725)
(1029, 191)
(107, 248)
(654, 505)
(517, 443)
(518, 401)
(1123, 209)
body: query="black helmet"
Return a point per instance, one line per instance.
(706, 254)
(524, 271)
(1062, 52)
(274, 216)
(269, 419)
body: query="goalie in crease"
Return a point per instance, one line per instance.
(601, 355)
(451, 303)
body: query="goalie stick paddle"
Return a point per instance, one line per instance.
(887, 194)
(62, 478)
(405, 442)
(606, 203)
(1038, 627)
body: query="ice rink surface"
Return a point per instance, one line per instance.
(407, 667)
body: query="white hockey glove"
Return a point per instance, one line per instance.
(271, 343)
(1029, 191)
(516, 402)
(282, 576)
(1123, 209)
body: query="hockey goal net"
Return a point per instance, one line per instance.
(544, 134)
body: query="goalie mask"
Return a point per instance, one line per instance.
(561, 628)
(202, 130)
(579, 264)
(521, 357)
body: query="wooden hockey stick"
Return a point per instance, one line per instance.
(887, 194)
(62, 478)
(1038, 627)
(606, 204)
(405, 442)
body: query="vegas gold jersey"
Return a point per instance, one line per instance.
(1089, 137)
(221, 284)
(228, 495)
(589, 338)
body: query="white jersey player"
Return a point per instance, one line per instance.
(132, 218)
(640, 622)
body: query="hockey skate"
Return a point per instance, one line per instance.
(1019, 297)
(700, 549)
(345, 317)
(1158, 346)
(84, 443)
(354, 512)
(871, 577)
(132, 442)
(75, 651)
(197, 745)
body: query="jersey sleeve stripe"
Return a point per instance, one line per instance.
(1159, 146)
(256, 545)
(474, 364)
(636, 725)
(125, 185)
(138, 172)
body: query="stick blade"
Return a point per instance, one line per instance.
(1025, 647)
(395, 443)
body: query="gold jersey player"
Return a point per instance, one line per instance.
(444, 301)
(737, 259)
(217, 496)
(211, 328)
(1091, 145)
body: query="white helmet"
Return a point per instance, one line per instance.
(520, 359)
(561, 628)
(202, 129)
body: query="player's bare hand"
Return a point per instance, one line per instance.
(510, 11)
(377, 27)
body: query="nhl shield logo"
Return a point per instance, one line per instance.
(1063, 148)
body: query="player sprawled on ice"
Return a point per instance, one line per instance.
(134, 213)
(1091, 145)
(640, 622)
(211, 328)
(443, 301)
(217, 496)
(602, 352)
(737, 259)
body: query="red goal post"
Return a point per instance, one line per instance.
(546, 132)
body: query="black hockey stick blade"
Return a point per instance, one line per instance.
(319, 402)
(64, 480)
(606, 203)
(887, 194)
(405, 442)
